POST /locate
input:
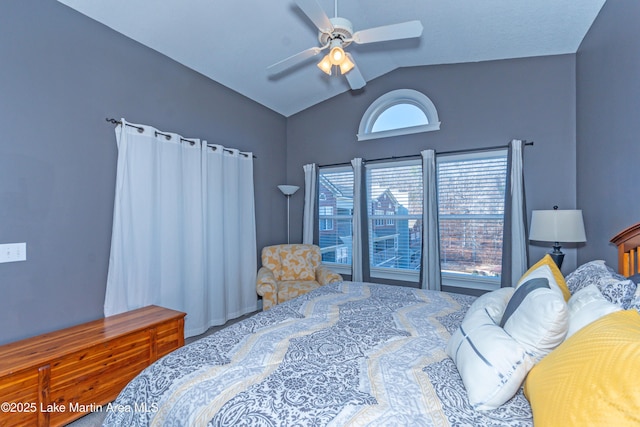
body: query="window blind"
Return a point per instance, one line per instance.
(394, 211)
(471, 192)
(335, 214)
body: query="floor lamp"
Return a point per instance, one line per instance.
(288, 191)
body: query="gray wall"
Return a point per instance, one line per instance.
(608, 127)
(61, 75)
(479, 104)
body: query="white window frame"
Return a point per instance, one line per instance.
(466, 281)
(386, 272)
(337, 267)
(390, 99)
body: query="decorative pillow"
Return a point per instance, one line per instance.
(592, 378)
(589, 273)
(635, 302)
(635, 278)
(548, 269)
(493, 303)
(537, 317)
(616, 288)
(491, 363)
(519, 296)
(586, 306)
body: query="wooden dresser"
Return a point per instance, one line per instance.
(52, 379)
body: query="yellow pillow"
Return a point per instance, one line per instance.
(592, 378)
(557, 275)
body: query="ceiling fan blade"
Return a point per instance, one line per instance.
(404, 30)
(316, 14)
(354, 77)
(279, 67)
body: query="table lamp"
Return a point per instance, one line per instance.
(557, 226)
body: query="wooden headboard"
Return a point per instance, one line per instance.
(628, 242)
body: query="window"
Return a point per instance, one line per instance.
(394, 197)
(471, 192)
(325, 213)
(399, 112)
(335, 213)
(379, 213)
(390, 221)
(399, 116)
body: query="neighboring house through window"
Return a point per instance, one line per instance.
(471, 193)
(335, 214)
(394, 192)
(325, 216)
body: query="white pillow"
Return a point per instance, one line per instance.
(541, 319)
(544, 271)
(587, 305)
(493, 302)
(491, 363)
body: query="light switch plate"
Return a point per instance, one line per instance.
(12, 252)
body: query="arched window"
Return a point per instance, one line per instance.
(399, 112)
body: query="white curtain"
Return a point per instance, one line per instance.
(515, 250)
(310, 185)
(357, 260)
(430, 274)
(183, 228)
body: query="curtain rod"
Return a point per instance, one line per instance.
(168, 137)
(415, 156)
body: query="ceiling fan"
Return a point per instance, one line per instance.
(336, 34)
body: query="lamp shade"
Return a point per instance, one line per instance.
(346, 65)
(336, 53)
(325, 65)
(288, 190)
(557, 226)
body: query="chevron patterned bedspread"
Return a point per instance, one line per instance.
(347, 354)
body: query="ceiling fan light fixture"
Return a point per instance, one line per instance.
(336, 54)
(336, 34)
(346, 65)
(325, 65)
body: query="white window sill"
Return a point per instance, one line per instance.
(396, 274)
(338, 268)
(468, 281)
(464, 281)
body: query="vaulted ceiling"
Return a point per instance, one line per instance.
(234, 41)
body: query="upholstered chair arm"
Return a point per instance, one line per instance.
(267, 287)
(324, 276)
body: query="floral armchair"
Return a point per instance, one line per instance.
(289, 271)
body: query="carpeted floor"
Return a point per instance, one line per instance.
(95, 419)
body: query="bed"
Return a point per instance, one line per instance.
(628, 243)
(366, 354)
